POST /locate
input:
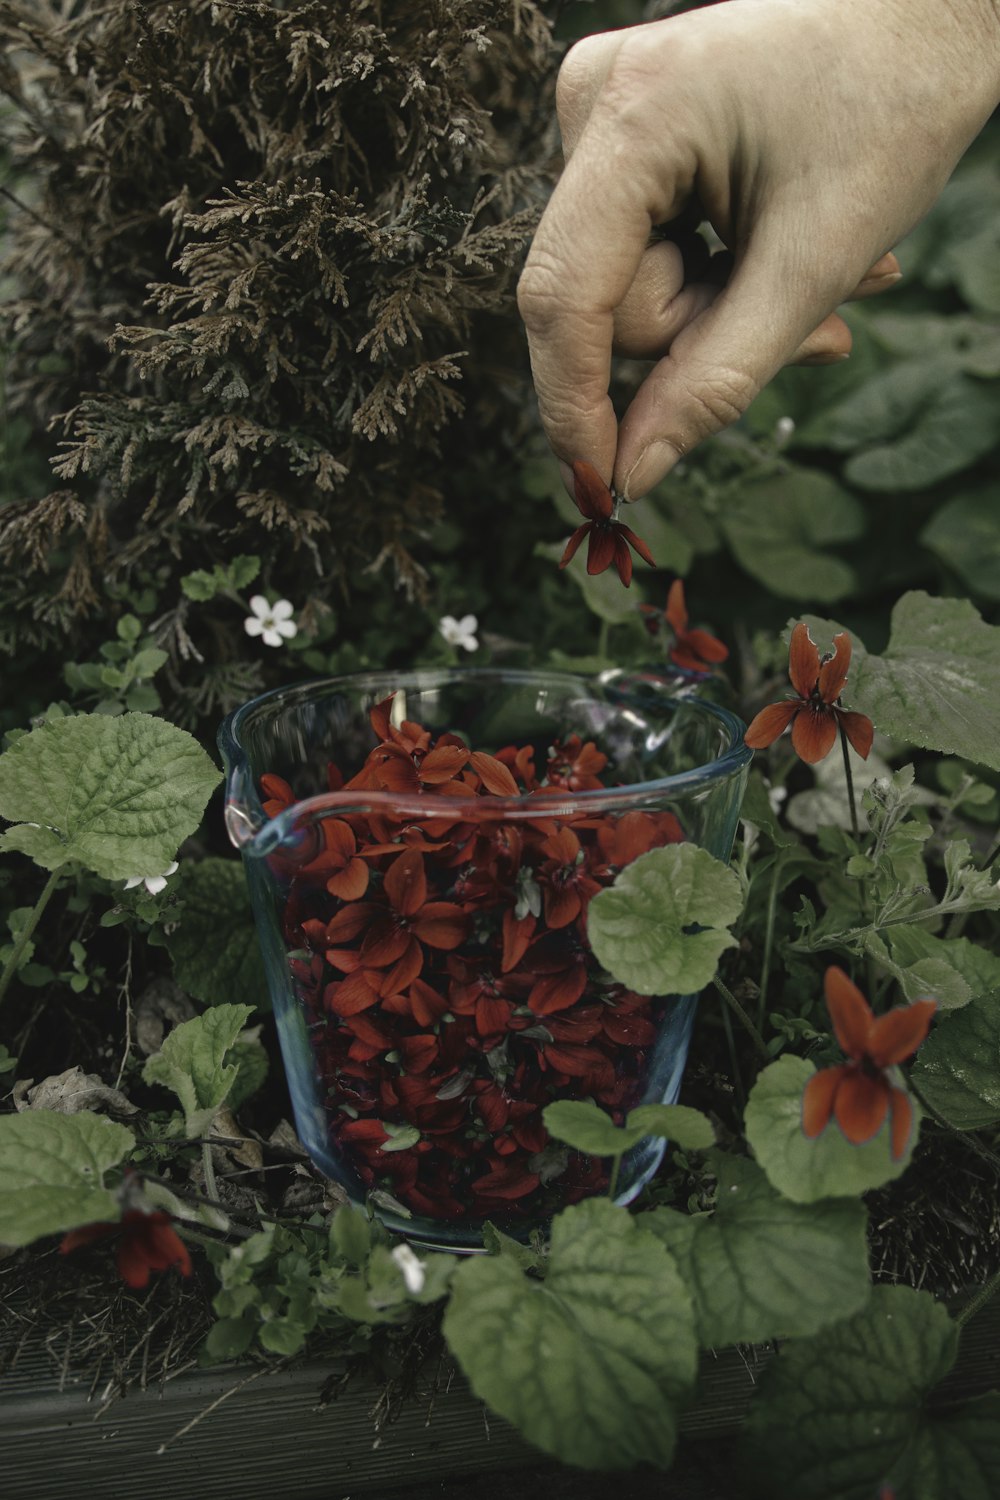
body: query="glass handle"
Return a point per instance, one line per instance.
(241, 824)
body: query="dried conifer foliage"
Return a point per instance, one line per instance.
(263, 270)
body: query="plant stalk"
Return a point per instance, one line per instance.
(27, 932)
(741, 1016)
(985, 1294)
(849, 774)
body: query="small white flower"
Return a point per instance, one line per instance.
(776, 796)
(460, 632)
(412, 1267)
(273, 621)
(783, 429)
(153, 883)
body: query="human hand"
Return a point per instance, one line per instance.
(811, 134)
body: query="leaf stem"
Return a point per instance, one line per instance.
(616, 1163)
(602, 638)
(765, 967)
(27, 932)
(985, 1294)
(208, 1167)
(741, 1016)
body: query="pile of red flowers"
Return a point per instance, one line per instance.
(449, 986)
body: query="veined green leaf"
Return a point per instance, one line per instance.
(52, 1170)
(191, 1063)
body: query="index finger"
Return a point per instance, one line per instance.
(584, 257)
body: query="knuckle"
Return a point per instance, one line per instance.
(719, 399)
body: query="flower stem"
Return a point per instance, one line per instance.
(616, 1162)
(741, 1016)
(25, 935)
(602, 639)
(848, 773)
(765, 968)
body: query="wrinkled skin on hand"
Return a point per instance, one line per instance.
(811, 134)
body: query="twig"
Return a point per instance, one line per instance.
(188, 1426)
(743, 1018)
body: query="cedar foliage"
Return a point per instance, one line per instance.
(263, 263)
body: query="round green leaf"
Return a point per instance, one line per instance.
(120, 793)
(958, 1067)
(965, 534)
(778, 525)
(52, 1169)
(836, 1412)
(214, 947)
(957, 1454)
(761, 1267)
(805, 1170)
(589, 1363)
(937, 684)
(641, 928)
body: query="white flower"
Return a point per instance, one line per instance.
(273, 621)
(460, 632)
(783, 429)
(153, 883)
(412, 1267)
(776, 796)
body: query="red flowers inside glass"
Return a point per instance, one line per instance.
(610, 538)
(859, 1094)
(452, 995)
(146, 1242)
(815, 715)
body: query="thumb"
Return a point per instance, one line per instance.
(717, 364)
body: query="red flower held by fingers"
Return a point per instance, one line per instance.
(610, 539)
(694, 650)
(858, 1093)
(146, 1243)
(815, 714)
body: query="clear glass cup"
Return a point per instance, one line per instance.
(426, 954)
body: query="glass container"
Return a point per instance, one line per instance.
(421, 848)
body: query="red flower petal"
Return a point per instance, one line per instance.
(359, 991)
(849, 1011)
(833, 673)
(706, 645)
(495, 776)
(562, 905)
(378, 717)
(426, 1004)
(803, 661)
(861, 1105)
(636, 542)
(443, 763)
(897, 1035)
(385, 944)
(593, 498)
(517, 934)
(770, 722)
(676, 610)
(558, 991)
(441, 924)
(351, 883)
(573, 545)
(601, 551)
(623, 558)
(814, 732)
(406, 884)
(506, 1182)
(817, 1100)
(859, 729)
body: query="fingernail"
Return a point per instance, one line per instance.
(653, 462)
(883, 282)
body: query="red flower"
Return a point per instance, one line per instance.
(815, 714)
(395, 933)
(609, 539)
(858, 1094)
(694, 650)
(146, 1242)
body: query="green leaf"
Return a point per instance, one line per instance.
(972, 342)
(214, 947)
(191, 1063)
(120, 793)
(956, 1453)
(938, 683)
(879, 408)
(836, 1412)
(229, 1338)
(957, 426)
(979, 968)
(52, 1169)
(762, 1267)
(958, 1067)
(965, 535)
(243, 569)
(351, 1235)
(828, 1167)
(252, 1064)
(588, 1363)
(778, 525)
(583, 1125)
(42, 845)
(200, 585)
(639, 929)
